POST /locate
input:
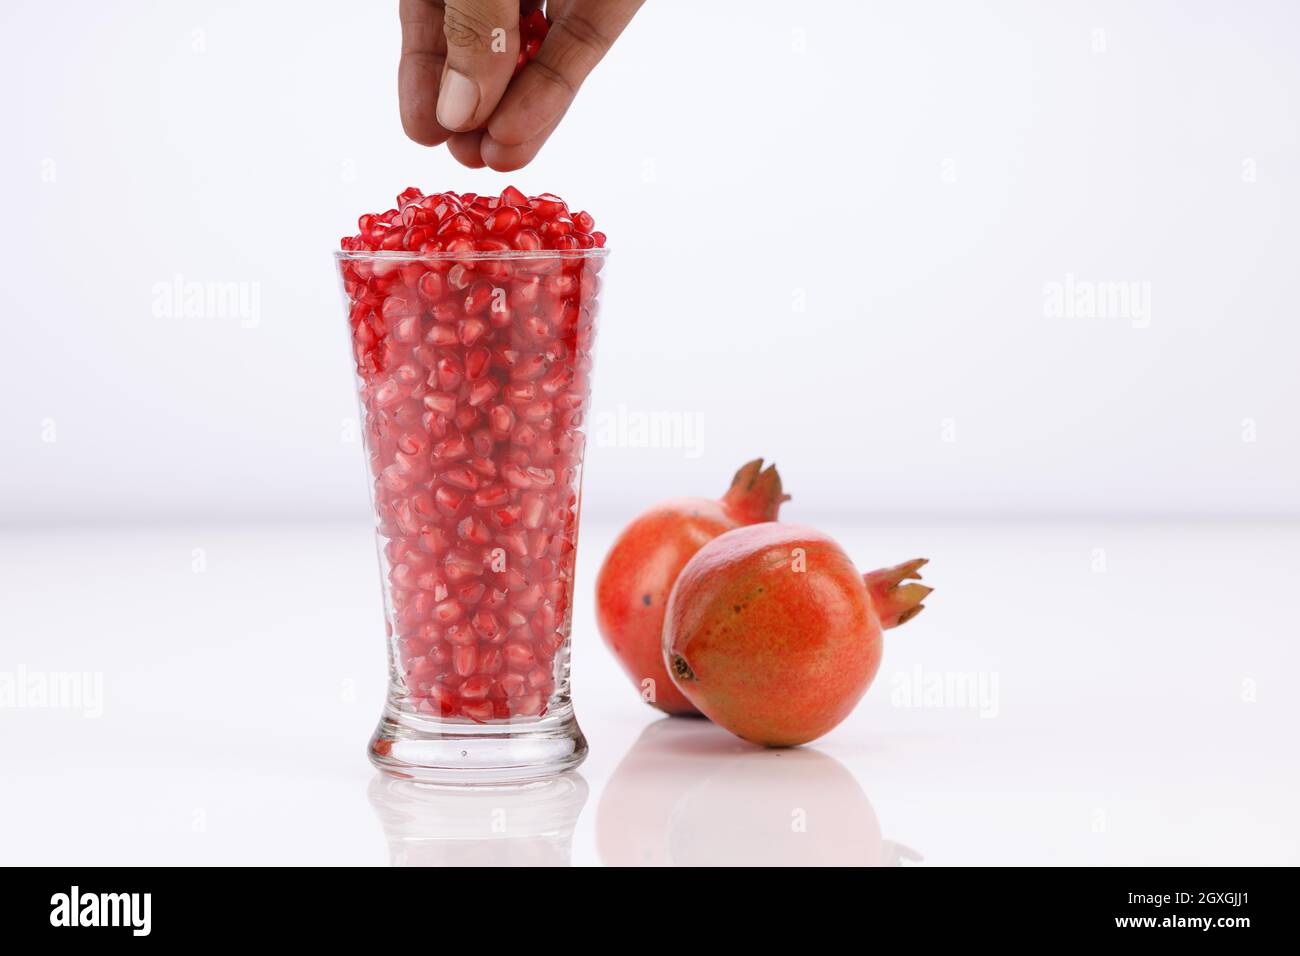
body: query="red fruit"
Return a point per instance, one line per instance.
(634, 582)
(773, 634)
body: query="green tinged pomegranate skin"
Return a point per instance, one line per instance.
(772, 633)
(633, 584)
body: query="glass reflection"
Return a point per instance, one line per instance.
(529, 825)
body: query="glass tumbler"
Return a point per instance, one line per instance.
(474, 373)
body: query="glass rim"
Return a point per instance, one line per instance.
(479, 255)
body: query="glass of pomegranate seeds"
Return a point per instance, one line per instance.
(472, 320)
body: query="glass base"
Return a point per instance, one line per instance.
(451, 753)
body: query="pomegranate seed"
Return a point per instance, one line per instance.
(458, 635)
(548, 206)
(490, 497)
(476, 363)
(519, 657)
(529, 705)
(470, 594)
(444, 403)
(486, 624)
(422, 670)
(473, 529)
(541, 477)
(483, 465)
(402, 576)
(388, 394)
(448, 374)
(448, 501)
(510, 196)
(430, 287)
(501, 420)
(465, 418)
(448, 611)
(533, 510)
(527, 240)
(462, 478)
(459, 566)
(441, 335)
(482, 392)
(459, 246)
(477, 687)
(491, 661)
(456, 225)
(530, 599)
(471, 330)
(452, 448)
(502, 220)
(515, 543)
(530, 367)
(503, 518)
(443, 700)
(465, 661)
(459, 276)
(515, 476)
(513, 684)
(479, 710)
(537, 411)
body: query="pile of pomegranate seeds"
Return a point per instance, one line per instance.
(466, 222)
(474, 376)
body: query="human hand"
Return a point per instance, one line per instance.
(456, 80)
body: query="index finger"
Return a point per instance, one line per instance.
(580, 36)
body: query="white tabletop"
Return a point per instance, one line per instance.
(1090, 692)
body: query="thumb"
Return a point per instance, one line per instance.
(482, 47)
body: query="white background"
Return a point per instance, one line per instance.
(833, 226)
(735, 162)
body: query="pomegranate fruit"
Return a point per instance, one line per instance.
(772, 633)
(634, 582)
(474, 363)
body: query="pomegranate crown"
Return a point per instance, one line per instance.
(897, 602)
(755, 494)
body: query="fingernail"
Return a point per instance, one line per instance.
(457, 100)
